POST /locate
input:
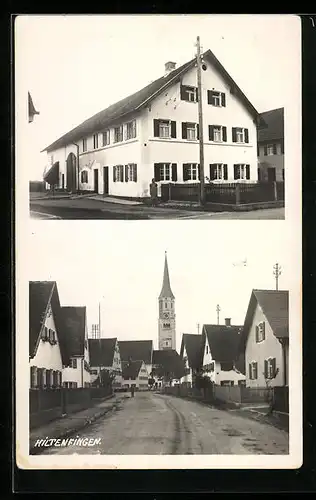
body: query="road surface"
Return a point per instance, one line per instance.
(153, 423)
(87, 208)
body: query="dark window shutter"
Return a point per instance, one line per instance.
(263, 330)
(199, 172)
(212, 172)
(223, 99)
(126, 173)
(174, 129)
(257, 333)
(211, 132)
(184, 130)
(157, 172)
(250, 371)
(246, 135)
(209, 96)
(224, 134)
(225, 172)
(256, 371)
(282, 147)
(265, 150)
(174, 172)
(135, 172)
(234, 134)
(31, 375)
(114, 174)
(273, 366)
(197, 131)
(156, 128)
(247, 171)
(236, 176)
(183, 94)
(185, 172)
(197, 95)
(274, 149)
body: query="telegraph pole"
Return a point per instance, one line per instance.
(218, 311)
(200, 108)
(198, 328)
(277, 271)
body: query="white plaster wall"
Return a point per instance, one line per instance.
(260, 351)
(186, 378)
(73, 374)
(48, 356)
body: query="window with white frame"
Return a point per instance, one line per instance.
(217, 134)
(188, 93)
(191, 172)
(191, 131)
(241, 171)
(270, 369)
(131, 172)
(260, 332)
(270, 149)
(253, 370)
(84, 145)
(84, 176)
(95, 141)
(118, 134)
(165, 171)
(240, 135)
(164, 129)
(130, 130)
(73, 363)
(216, 98)
(118, 173)
(106, 138)
(218, 171)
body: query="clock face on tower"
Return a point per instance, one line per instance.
(166, 315)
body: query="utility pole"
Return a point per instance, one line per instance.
(218, 311)
(200, 108)
(277, 271)
(198, 328)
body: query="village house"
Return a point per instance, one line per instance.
(31, 109)
(154, 133)
(265, 339)
(137, 350)
(135, 374)
(220, 354)
(77, 373)
(105, 355)
(190, 352)
(47, 347)
(167, 368)
(271, 146)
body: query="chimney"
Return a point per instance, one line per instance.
(227, 321)
(169, 66)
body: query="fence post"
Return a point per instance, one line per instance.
(237, 193)
(275, 191)
(169, 191)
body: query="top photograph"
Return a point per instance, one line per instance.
(155, 117)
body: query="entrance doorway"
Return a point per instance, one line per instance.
(71, 173)
(105, 181)
(96, 180)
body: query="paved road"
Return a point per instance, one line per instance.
(153, 424)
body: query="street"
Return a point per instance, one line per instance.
(87, 208)
(153, 424)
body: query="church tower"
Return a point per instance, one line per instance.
(167, 315)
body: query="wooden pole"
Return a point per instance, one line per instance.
(200, 108)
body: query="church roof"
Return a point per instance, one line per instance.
(166, 288)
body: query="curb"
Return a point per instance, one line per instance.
(65, 434)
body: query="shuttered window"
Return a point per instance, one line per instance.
(260, 332)
(130, 130)
(118, 134)
(216, 98)
(165, 129)
(270, 368)
(240, 135)
(84, 176)
(217, 133)
(118, 173)
(218, 171)
(253, 370)
(131, 172)
(188, 93)
(190, 131)
(241, 171)
(191, 172)
(165, 172)
(95, 141)
(106, 138)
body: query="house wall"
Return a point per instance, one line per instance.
(74, 374)
(259, 351)
(276, 161)
(48, 356)
(187, 379)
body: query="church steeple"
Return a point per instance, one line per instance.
(166, 291)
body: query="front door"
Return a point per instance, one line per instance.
(105, 180)
(96, 180)
(271, 174)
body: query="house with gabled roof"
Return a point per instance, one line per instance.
(265, 338)
(105, 355)
(190, 352)
(154, 133)
(168, 367)
(137, 350)
(31, 108)
(135, 374)
(271, 146)
(77, 372)
(220, 353)
(48, 352)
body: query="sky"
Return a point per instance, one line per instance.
(121, 266)
(75, 66)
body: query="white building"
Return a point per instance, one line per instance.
(137, 350)
(190, 352)
(154, 134)
(77, 373)
(135, 374)
(105, 355)
(220, 348)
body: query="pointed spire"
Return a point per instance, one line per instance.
(166, 288)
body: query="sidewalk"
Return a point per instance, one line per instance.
(260, 413)
(109, 199)
(72, 423)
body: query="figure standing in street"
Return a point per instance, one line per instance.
(153, 188)
(132, 391)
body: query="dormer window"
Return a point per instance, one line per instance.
(188, 93)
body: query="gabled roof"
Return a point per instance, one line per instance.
(131, 369)
(170, 362)
(137, 350)
(142, 98)
(192, 344)
(166, 288)
(274, 128)
(101, 351)
(43, 294)
(275, 307)
(32, 110)
(74, 320)
(223, 341)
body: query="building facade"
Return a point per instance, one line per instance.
(167, 314)
(105, 355)
(135, 374)
(154, 133)
(271, 146)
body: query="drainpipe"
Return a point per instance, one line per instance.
(77, 146)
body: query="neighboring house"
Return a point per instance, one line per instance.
(77, 373)
(105, 355)
(265, 338)
(47, 348)
(190, 352)
(154, 133)
(135, 374)
(168, 367)
(220, 352)
(137, 350)
(31, 108)
(271, 146)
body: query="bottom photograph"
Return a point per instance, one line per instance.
(174, 344)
